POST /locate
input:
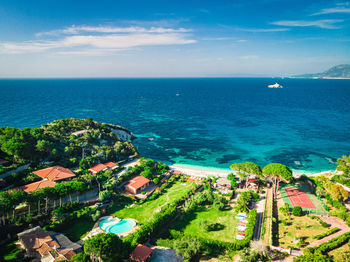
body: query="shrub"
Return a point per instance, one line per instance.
(327, 233)
(105, 195)
(297, 211)
(331, 244)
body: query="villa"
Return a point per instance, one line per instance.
(36, 185)
(46, 246)
(141, 253)
(102, 167)
(55, 173)
(137, 184)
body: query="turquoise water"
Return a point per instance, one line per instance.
(211, 122)
(116, 227)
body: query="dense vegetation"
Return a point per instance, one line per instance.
(55, 142)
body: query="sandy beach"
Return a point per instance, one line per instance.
(209, 171)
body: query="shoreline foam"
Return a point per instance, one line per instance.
(223, 172)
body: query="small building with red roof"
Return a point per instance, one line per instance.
(141, 253)
(36, 185)
(45, 246)
(137, 184)
(103, 167)
(55, 173)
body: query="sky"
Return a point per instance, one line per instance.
(114, 38)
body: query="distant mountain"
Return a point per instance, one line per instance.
(339, 71)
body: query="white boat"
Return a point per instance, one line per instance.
(276, 85)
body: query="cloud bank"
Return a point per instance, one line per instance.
(85, 40)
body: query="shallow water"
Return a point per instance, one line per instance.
(203, 122)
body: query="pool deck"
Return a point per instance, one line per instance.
(96, 229)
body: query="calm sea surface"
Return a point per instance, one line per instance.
(205, 122)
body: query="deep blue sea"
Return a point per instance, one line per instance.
(204, 122)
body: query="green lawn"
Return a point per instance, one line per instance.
(145, 211)
(10, 252)
(141, 213)
(189, 224)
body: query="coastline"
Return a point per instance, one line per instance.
(204, 171)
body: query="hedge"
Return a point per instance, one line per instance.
(327, 233)
(330, 245)
(324, 224)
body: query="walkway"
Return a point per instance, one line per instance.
(334, 222)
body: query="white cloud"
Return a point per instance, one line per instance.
(263, 30)
(217, 38)
(83, 40)
(325, 23)
(107, 29)
(334, 10)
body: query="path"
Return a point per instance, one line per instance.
(334, 222)
(260, 209)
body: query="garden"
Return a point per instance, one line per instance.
(144, 211)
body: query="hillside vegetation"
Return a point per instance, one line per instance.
(56, 142)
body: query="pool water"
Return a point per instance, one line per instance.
(112, 226)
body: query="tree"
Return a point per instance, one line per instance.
(277, 173)
(103, 195)
(80, 257)
(343, 164)
(297, 211)
(104, 247)
(246, 169)
(187, 247)
(44, 146)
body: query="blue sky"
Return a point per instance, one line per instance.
(106, 38)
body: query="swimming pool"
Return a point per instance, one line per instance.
(116, 227)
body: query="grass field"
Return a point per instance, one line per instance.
(297, 227)
(337, 253)
(189, 224)
(145, 211)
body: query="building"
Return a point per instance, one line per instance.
(223, 185)
(252, 183)
(36, 185)
(141, 253)
(55, 173)
(80, 132)
(103, 167)
(137, 184)
(47, 247)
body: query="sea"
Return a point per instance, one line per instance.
(201, 122)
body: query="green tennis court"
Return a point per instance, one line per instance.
(319, 206)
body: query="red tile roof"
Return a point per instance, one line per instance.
(98, 168)
(110, 164)
(55, 173)
(141, 253)
(101, 167)
(36, 185)
(138, 182)
(38, 240)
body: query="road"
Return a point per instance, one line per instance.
(260, 208)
